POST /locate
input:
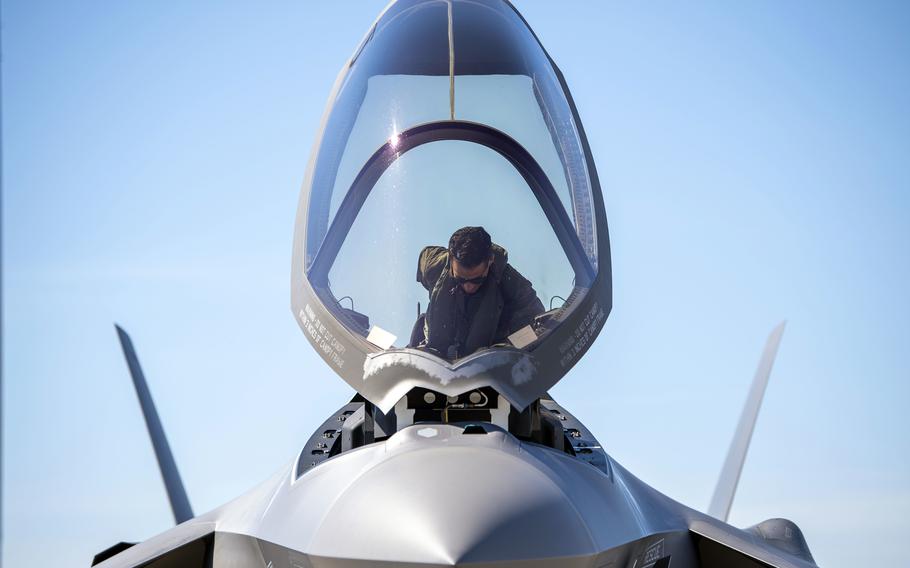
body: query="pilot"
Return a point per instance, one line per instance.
(477, 299)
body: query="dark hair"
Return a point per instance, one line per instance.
(470, 246)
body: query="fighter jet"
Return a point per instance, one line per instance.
(449, 114)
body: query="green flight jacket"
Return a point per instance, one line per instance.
(457, 324)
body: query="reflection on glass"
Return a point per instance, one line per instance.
(394, 102)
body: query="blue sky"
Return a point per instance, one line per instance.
(753, 159)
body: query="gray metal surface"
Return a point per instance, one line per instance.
(436, 495)
(180, 503)
(722, 499)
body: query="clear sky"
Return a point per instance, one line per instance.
(754, 163)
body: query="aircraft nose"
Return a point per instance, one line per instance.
(447, 504)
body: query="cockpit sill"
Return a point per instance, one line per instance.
(520, 375)
(388, 374)
(423, 414)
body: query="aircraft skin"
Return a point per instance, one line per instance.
(499, 474)
(457, 499)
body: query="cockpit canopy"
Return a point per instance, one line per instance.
(449, 114)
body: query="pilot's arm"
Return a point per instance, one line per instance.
(430, 264)
(522, 303)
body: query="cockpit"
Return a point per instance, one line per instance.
(450, 115)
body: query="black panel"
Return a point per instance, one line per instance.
(427, 415)
(112, 551)
(713, 554)
(326, 440)
(452, 415)
(196, 554)
(333, 438)
(432, 406)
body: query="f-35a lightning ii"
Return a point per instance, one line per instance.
(451, 113)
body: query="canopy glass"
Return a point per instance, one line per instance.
(450, 115)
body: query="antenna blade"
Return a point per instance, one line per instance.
(180, 504)
(736, 456)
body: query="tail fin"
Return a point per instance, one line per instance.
(736, 456)
(180, 504)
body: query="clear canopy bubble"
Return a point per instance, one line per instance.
(450, 114)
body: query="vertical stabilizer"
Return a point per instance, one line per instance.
(180, 504)
(736, 456)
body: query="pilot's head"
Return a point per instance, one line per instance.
(470, 256)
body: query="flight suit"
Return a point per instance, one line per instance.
(457, 324)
